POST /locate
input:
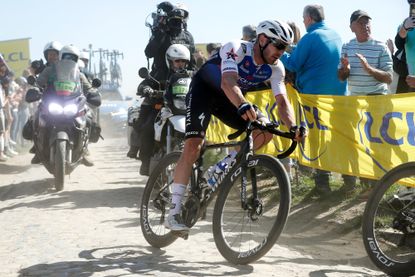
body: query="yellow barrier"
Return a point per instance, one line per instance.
(356, 135)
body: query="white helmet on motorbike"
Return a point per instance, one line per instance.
(69, 52)
(84, 56)
(276, 30)
(52, 45)
(177, 52)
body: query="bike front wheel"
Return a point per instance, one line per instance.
(388, 227)
(243, 233)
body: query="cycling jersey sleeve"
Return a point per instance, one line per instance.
(231, 54)
(277, 79)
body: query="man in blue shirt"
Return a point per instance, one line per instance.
(315, 60)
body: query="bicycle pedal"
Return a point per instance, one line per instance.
(181, 234)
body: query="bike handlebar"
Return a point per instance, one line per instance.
(272, 128)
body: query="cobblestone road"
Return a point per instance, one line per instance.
(91, 228)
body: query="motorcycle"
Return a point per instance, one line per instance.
(169, 125)
(63, 122)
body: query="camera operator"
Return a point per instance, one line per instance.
(170, 27)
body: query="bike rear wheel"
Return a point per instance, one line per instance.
(388, 227)
(245, 235)
(155, 202)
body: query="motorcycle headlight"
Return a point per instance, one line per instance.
(70, 110)
(179, 104)
(55, 109)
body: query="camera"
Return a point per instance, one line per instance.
(38, 66)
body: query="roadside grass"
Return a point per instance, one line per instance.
(345, 208)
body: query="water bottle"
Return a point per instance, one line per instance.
(215, 171)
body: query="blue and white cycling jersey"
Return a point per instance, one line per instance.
(238, 57)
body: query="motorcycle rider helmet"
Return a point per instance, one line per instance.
(84, 56)
(177, 52)
(69, 52)
(276, 30)
(52, 45)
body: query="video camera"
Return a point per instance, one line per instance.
(160, 17)
(37, 66)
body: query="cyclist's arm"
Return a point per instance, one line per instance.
(233, 92)
(230, 54)
(285, 110)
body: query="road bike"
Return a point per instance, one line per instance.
(252, 205)
(389, 222)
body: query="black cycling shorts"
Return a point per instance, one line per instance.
(202, 102)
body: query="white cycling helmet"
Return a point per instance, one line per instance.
(52, 45)
(276, 30)
(177, 52)
(69, 52)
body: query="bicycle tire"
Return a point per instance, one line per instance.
(153, 214)
(273, 188)
(388, 248)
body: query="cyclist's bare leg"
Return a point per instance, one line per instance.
(182, 173)
(189, 155)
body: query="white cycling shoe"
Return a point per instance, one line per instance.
(175, 223)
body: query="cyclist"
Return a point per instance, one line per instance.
(218, 89)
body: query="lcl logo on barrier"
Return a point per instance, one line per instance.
(15, 56)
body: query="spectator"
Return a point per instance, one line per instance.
(405, 54)
(3, 80)
(213, 48)
(248, 32)
(315, 60)
(366, 64)
(199, 58)
(289, 75)
(23, 109)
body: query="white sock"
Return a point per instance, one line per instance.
(177, 194)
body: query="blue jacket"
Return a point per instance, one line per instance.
(315, 60)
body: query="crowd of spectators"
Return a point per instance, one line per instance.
(14, 112)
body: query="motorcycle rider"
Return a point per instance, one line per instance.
(169, 27)
(51, 54)
(177, 59)
(45, 79)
